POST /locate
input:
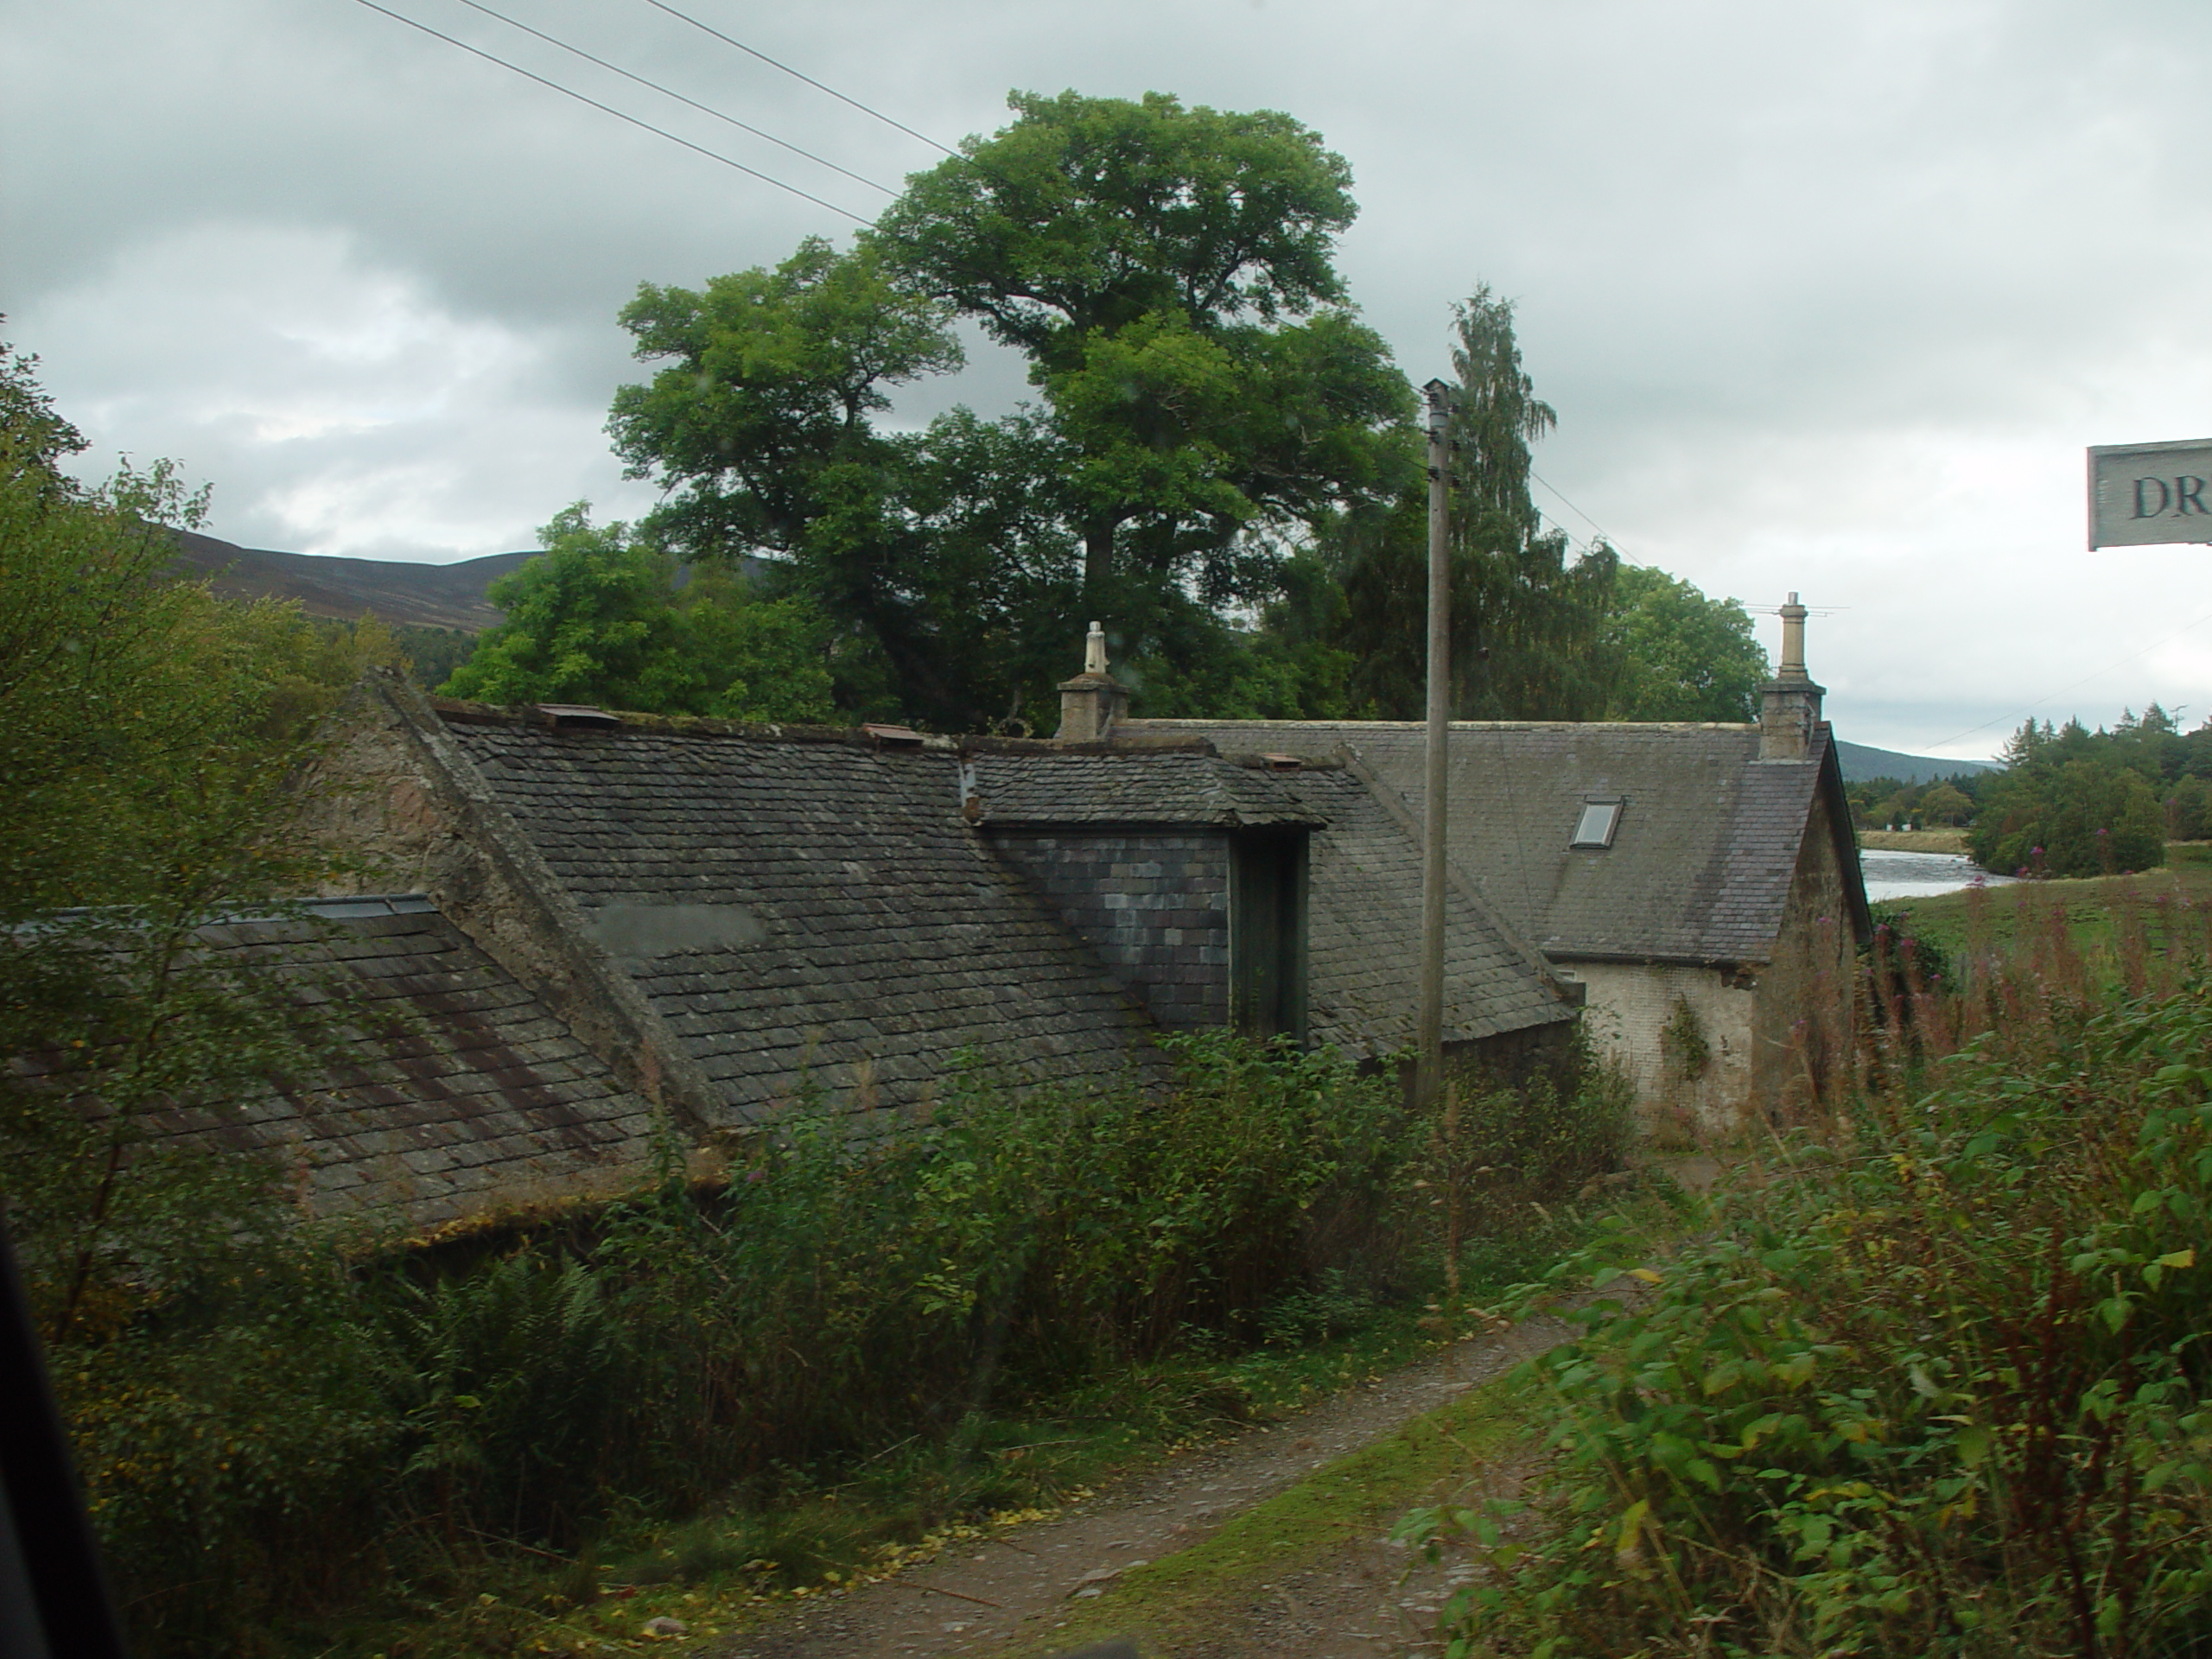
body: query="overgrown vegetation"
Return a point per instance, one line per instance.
(278, 1425)
(1939, 1385)
(306, 1437)
(148, 736)
(599, 617)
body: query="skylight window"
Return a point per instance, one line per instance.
(1596, 826)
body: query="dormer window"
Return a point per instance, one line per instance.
(1596, 826)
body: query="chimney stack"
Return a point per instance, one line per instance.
(1093, 700)
(1790, 704)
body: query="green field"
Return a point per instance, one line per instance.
(2165, 914)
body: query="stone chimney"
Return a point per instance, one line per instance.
(1790, 703)
(1092, 701)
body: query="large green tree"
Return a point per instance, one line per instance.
(1205, 398)
(1683, 655)
(1170, 274)
(2068, 803)
(599, 618)
(150, 735)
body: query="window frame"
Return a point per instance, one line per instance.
(1580, 840)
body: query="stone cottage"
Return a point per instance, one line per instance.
(609, 925)
(1701, 881)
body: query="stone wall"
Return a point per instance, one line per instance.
(1153, 905)
(1807, 992)
(1683, 1033)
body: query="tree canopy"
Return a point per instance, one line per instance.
(1219, 461)
(2071, 802)
(1682, 656)
(1204, 398)
(599, 618)
(1529, 639)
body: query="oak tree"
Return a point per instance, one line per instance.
(1205, 397)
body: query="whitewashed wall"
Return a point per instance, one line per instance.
(1629, 1007)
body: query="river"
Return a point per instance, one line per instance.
(1921, 876)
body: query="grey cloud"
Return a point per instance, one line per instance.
(1828, 296)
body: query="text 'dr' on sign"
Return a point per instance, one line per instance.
(2142, 495)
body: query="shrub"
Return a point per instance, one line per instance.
(306, 1432)
(1946, 1391)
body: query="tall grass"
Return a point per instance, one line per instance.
(1940, 1384)
(323, 1432)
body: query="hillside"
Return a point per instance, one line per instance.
(1861, 762)
(403, 595)
(452, 596)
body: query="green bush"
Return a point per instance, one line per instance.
(857, 1287)
(1946, 1392)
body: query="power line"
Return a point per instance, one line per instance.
(1587, 545)
(685, 17)
(669, 91)
(1576, 511)
(608, 109)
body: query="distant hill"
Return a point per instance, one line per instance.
(1861, 762)
(403, 595)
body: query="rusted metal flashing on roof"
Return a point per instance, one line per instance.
(1115, 744)
(560, 716)
(893, 737)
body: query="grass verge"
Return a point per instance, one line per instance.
(1914, 841)
(728, 1571)
(740, 1567)
(1171, 1604)
(2168, 905)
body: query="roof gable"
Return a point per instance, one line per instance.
(1702, 858)
(867, 934)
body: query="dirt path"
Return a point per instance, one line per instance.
(1015, 1588)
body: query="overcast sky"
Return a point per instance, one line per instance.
(1829, 297)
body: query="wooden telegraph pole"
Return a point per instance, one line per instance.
(1428, 1025)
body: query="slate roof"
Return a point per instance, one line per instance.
(1364, 932)
(1160, 788)
(1701, 863)
(870, 934)
(474, 1098)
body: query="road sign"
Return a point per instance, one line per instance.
(2143, 494)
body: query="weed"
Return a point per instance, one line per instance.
(1943, 1387)
(874, 1332)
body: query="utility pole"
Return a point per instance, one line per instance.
(1428, 1025)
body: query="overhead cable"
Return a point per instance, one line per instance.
(1578, 511)
(685, 17)
(669, 91)
(620, 115)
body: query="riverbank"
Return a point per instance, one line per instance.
(2168, 907)
(1913, 840)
